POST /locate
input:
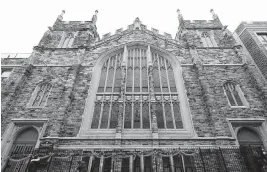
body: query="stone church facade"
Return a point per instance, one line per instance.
(135, 101)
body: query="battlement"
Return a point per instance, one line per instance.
(73, 25)
(202, 24)
(153, 31)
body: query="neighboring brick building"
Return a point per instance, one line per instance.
(253, 36)
(134, 101)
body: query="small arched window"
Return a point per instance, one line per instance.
(67, 40)
(40, 95)
(208, 40)
(25, 142)
(234, 94)
(247, 137)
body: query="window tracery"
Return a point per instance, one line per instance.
(208, 40)
(234, 94)
(40, 95)
(136, 103)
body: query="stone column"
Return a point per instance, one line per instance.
(101, 163)
(172, 163)
(142, 164)
(90, 163)
(131, 163)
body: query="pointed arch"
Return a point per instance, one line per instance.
(137, 103)
(40, 95)
(248, 136)
(234, 94)
(24, 142)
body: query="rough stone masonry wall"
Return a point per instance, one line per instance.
(71, 81)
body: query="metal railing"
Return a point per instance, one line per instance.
(234, 159)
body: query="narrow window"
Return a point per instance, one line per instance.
(234, 94)
(67, 40)
(208, 40)
(166, 164)
(189, 164)
(137, 166)
(107, 165)
(40, 95)
(147, 164)
(125, 165)
(95, 165)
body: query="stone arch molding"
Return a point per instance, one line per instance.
(257, 131)
(16, 127)
(186, 132)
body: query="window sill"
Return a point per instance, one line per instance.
(241, 107)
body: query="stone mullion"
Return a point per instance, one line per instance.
(90, 163)
(121, 99)
(133, 88)
(154, 125)
(140, 81)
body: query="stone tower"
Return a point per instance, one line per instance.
(136, 100)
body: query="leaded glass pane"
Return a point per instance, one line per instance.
(171, 80)
(129, 80)
(159, 113)
(168, 114)
(105, 116)
(145, 114)
(114, 115)
(177, 115)
(136, 115)
(144, 80)
(156, 80)
(102, 79)
(128, 116)
(136, 80)
(96, 115)
(110, 80)
(117, 84)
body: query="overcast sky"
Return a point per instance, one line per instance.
(23, 22)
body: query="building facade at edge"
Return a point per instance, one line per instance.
(134, 101)
(253, 37)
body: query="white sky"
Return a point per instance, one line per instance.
(23, 22)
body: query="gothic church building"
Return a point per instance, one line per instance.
(134, 101)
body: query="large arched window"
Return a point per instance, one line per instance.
(137, 103)
(24, 143)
